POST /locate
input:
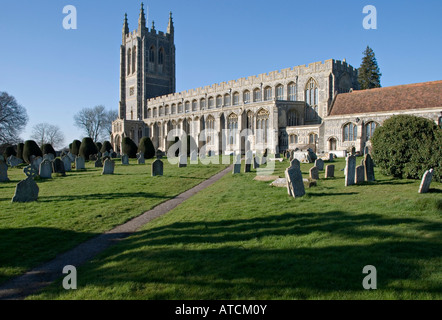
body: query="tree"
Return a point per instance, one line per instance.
(9, 151)
(96, 122)
(106, 147)
(129, 147)
(20, 147)
(47, 149)
(75, 147)
(44, 133)
(13, 119)
(87, 148)
(31, 148)
(146, 147)
(369, 75)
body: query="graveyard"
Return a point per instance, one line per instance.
(240, 238)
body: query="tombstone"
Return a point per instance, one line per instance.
(125, 160)
(367, 162)
(45, 170)
(93, 157)
(183, 161)
(3, 172)
(426, 181)
(48, 156)
(71, 157)
(157, 168)
(14, 161)
(295, 183)
(115, 155)
(311, 156)
(58, 167)
(256, 162)
(67, 163)
(314, 173)
(159, 154)
(360, 174)
(353, 151)
(319, 163)
(295, 164)
(99, 155)
(140, 158)
(27, 190)
(36, 163)
(350, 170)
(331, 157)
(194, 157)
(98, 164)
(79, 163)
(236, 168)
(106, 154)
(330, 171)
(248, 162)
(108, 167)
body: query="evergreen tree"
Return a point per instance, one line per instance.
(369, 75)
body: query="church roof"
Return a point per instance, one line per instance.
(405, 97)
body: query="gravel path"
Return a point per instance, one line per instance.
(40, 277)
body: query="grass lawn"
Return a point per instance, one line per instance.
(242, 239)
(83, 204)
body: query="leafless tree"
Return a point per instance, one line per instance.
(96, 122)
(13, 119)
(44, 133)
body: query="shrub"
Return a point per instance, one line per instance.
(99, 145)
(47, 148)
(31, 148)
(75, 148)
(146, 146)
(9, 151)
(106, 147)
(87, 148)
(20, 150)
(406, 146)
(129, 147)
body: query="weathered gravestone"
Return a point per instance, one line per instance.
(248, 162)
(331, 157)
(108, 167)
(183, 161)
(360, 174)
(45, 170)
(48, 156)
(194, 157)
(14, 161)
(58, 167)
(35, 162)
(140, 158)
(159, 154)
(311, 156)
(330, 171)
(350, 170)
(237, 164)
(98, 163)
(319, 163)
(157, 168)
(426, 181)
(368, 164)
(27, 190)
(314, 173)
(295, 183)
(264, 158)
(3, 172)
(106, 154)
(67, 163)
(125, 160)
(71, 157)
(79, 163)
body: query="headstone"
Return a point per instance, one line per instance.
(3, 172)
(350, 170)
(369, 167)
(183, 161)
(48, 156)
(27, 190)
(353, 151)
(314, 173)
(295, 164)
(140, 158)
(330, 171)
(287, 154)
(256, 162)
(58, 167)
(45, 170)
(79, 163)
(319, 163)
(114, 155)
(106, 154)
(331, 157)
(311, 156)
(98, 163)
(360, 174)
(14, 161)
(159, 154)
(248, 162)
(108, 167)
(237, 164)
(366, 150)
(93, 157)
(194, 157)
(264, 158)
(36, 163)
(67, 163)
(295, 183)
(71, 157)
(125, 160)
(426, 181)
(157, 168)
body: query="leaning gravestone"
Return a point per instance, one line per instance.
(45, 170)
(350, 170)
(108, 167)
(248, 162)
(330, 171)
(295, 183)
(157, 168)
(98, 163)
(125, 160)
(27, 190)
(3, 172)
(369, 167)
(140, 158)
(71, 157)
(319, 163)
(58, 167)
(426, 181)
(311, 156)
(67, 163)
(14, 161)
(295, 163)
(360, 174)
(314, 173)
(79, 163)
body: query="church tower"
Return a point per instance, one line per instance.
(147, 66)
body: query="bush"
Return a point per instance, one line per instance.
(9, 151)
(31, 148)
(20, 150)
(406, 146)
(75, 147)
(47, 149)
(146, 147)
(106, 147)
(87, 148)
(129, 147)
(99, 145)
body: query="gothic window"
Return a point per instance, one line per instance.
(187, 106)
(219, 101)
(268, 93)
(293, 139)
(369, 129)
(194, 105)
(227, 99)
(129, 56)
(280, 92)
(173, 108)
(262, 125)
(236, 99)
(166, 109)
(180, 107)
(233, 128)
(161, 111)
(154, 112)
(350, 132)
(246, 97)
(152, 54)
(161, 56)
(149, 113)
(202, 103)
(250, 121)
(312, 138)
(211, 102)
(292, 91)
(292, 119)
(134, 60)
(210, 127)
(256, 95)
(332, 144)
(311, 99)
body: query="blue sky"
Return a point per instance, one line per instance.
(55, 72)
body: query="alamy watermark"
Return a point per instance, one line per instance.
(70, 281)
(370, 281)
(70, 21)
(370, 20)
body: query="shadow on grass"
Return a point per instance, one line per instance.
(101, 196)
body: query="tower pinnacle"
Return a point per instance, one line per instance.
(170, 29)
(125, 25)
(142, 18)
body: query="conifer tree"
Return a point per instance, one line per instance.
(369, 75)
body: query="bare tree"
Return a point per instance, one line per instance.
(96, 122)
(111, 115)
(13, 119)
(44, 133)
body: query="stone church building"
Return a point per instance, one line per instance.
(309, 106)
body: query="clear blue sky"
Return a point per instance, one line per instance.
(54, 72)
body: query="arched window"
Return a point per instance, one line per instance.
(134, 60)
(152, 54)
(350, 132)
(161, 56)
(235, 98)
(293, 139)
(369, 129)
(180, 107)
(312, 138)
(194, 105)
(129, 57)
(166, 109)
(154, 112)
(161, 111)
(210, 128)
(292, 118)
(262, 125)
(246, 96)
(174, 108)
(268, 94)
(256, 95)
(311, 99)
(292, 91)
(280, 92)
(227, 99)
(187, 106)
(250, 121)
(219, 101)
(211, 102)
(332, 144)
(202, 103)
(233, 128)
(149, 113)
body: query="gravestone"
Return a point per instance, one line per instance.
(3, 172)
(366, 150)
(48, 156)
(114, 155)
(369, 167)
(319, 163)
(331, 157)
(71, 157)
(360, 174)
(256, 162)
(157, 168)
(264, 158)
(330, 171)
(58, 167)
(14, 161)
(353, 151)
(27, 190)
(125, 160)
(237, 164)
(183, 161)
(36, 163)
(140, 158)
(194, 157)
(108, 167)
(426, 181)
(350, 170)
(98, 163)
(248, 162)
(45, 170)
(67, 163)
(311, 156)
(106, 154)
(79, 163)
(295, 164)
(314, 173)
(159, 154)
(295, 183)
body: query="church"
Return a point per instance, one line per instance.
(313, 106)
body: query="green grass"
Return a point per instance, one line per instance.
(242, 239)
(83, 204)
